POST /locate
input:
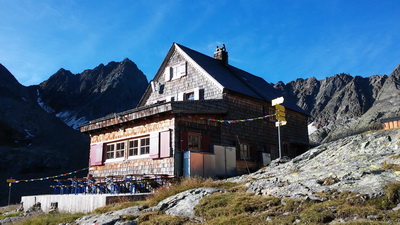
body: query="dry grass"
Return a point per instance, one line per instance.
(154, 218)
(187, 184)
(238, 207)
(50, 219)
(116, 207)
(390, 166)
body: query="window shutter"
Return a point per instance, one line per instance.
(181, 96)
(165, 144)
(196, 94)
(182, 69)
(205, 143)
(96, 154)
(184, 141)
(167, 74)
(154, 145)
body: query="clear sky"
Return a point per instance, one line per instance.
(274, 39)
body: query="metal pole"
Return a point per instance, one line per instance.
(9, 193)
(279, 139)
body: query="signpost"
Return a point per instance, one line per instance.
(280, 116)
(10, 181)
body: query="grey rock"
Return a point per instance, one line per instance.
(111, 218)
(183, 203)
(352, 164)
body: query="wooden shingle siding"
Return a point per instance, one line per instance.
(193, 80)
(139, 166)
(140, 128)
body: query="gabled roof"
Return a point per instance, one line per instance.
(237, 80)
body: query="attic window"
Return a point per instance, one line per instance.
(175, 72)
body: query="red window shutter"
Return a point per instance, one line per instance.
(165, 144)
(205, 143)
(184, 141)
(154, 145)
(96, 154)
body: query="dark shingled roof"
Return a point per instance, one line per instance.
(238, 80)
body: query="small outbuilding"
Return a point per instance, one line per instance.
(391, 123)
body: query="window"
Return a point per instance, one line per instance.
(139, 146)
(110, 151)
(115, 150)
(194, 141)
(144, 146)
(120, 150)
(189, 96)
(244, 151)
(175, 72)
(133, 148)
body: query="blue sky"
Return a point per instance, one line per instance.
(279, 40)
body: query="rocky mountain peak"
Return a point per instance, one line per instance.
(94, 93)
(9, 86)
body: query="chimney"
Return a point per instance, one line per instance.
(221, 54)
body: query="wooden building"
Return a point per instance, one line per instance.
(198, 116)
(391, 123)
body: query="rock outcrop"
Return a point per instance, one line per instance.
(181, 204)
(362, 163)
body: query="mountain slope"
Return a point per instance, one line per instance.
(34, 142)
(78, 98)
(31, 140)
(343, 105)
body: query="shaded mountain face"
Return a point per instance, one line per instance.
(343, 105)
(31, 140)
(35, 142)
(78, 98)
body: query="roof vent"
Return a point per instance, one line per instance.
(221, 54)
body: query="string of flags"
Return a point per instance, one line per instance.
(234, 121)
(46, 178)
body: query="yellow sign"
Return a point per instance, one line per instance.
(280, 108)
(11, 180)
(280, 118)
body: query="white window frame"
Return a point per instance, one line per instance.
(139, 147)
(116, 147)
(126, 150)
